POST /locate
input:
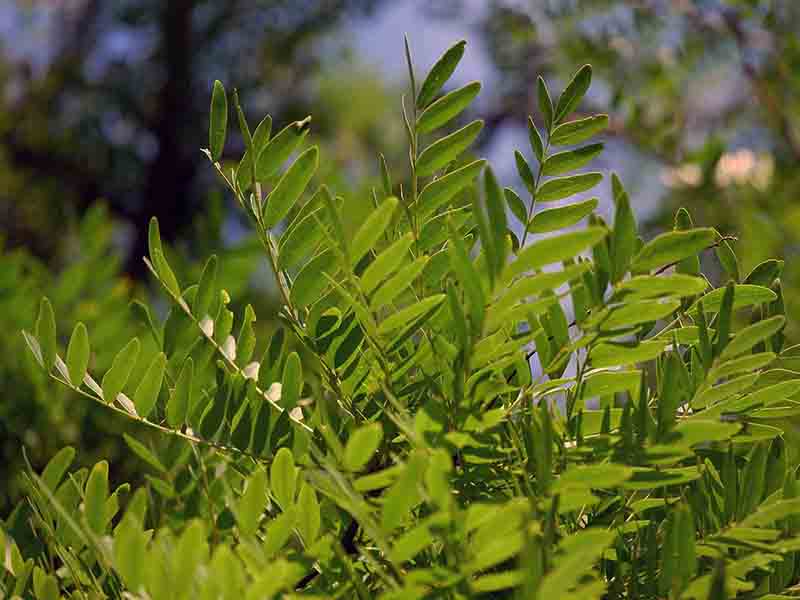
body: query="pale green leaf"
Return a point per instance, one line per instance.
(362, 445)
(282, 478)
(372, 229)
(290, 187)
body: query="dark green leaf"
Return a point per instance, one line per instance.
(440, 191)
(561, 217)
(573, 93)
(180, 399)
(218, 121)
(443, 151)
(440, 73)
(575, 132)
(545, 103)
(46, 333)
(78, 354)
(447, 107)
(672, 247)
(117, 376)
(554, 249)
(292, 382)
(535, 139)
(563, 187)
(569, 160)
(146, 395)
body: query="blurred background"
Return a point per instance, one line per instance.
(103, 111)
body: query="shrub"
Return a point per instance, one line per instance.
(447, 411)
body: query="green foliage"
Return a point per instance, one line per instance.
(446, 426)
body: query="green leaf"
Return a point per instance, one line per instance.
(525, 173)
(57, 467)
(302, 238)
(725, 390)
(635, 313)
(121, 368)
(440, 73)
(605, 383)
(569, 160)
(441, 190)
(579, 554)
(600, 476)
(467, 277)
(443, 151)
(280, 148)
(78, 354)
(290, 187)
(252, 503)
(404, 493)
(46, 333)
(526, 287)
(144, 453)
(95, 497)
(410, 313)
(516, 205)
(447, 107)
(282, 478)
(386, 263)
(218, 121)
(362, 445)
(573, 93)
(292, 382)
(610, 354)
(130, 552)
(179, 400)
(752, 335)
(308, 514)
(765, 273)
(561, 217)
(545, 103)
(653, 286)
(372, 229)
(563, 187)
(397, 285)
(554, 249)
(535, 139)
(575, 132)
(207, 289)
(623, 238)
(311, 281)
(146, 395)
(496, 210)
(745, 364)
(672, 247)
(743, 295)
